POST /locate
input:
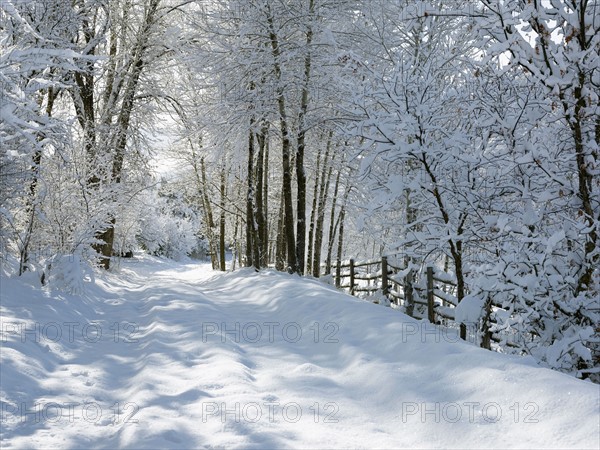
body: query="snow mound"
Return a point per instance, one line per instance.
(469, 310)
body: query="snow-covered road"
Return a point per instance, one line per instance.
(168, 355)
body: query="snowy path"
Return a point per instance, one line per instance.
(192, 359)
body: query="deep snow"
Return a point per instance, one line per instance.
(170, 355)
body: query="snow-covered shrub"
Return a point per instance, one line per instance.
(68, 273)
(536, 306)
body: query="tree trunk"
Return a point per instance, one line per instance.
(455, 244)
(265, 237)
(333, 224)
(292, 265)
(340, 248)
(31, 201)
(341, 219)
(300, 174)
(313, 212)
(30, 209)
(200, 174)
(261, 232)
(222, 221)
(585, 183)
(280, 249)
(250, 238)
(323, 193)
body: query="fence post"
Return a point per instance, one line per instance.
(338, 273)
(463, 331)
(384, 276)
(408, 294)
(351, 276)
(430, 305)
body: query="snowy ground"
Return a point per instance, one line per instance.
(167, 355)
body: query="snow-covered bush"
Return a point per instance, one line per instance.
(537, 308)
(68, 273)
(167, 226)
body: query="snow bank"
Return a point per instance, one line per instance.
(175, 356)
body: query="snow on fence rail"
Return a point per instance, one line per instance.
(431, 296)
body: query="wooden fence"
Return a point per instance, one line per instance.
(429, 294)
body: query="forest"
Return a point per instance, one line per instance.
(293, 134)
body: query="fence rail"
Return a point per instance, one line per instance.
(427, 294)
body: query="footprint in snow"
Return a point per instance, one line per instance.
(114, 302)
